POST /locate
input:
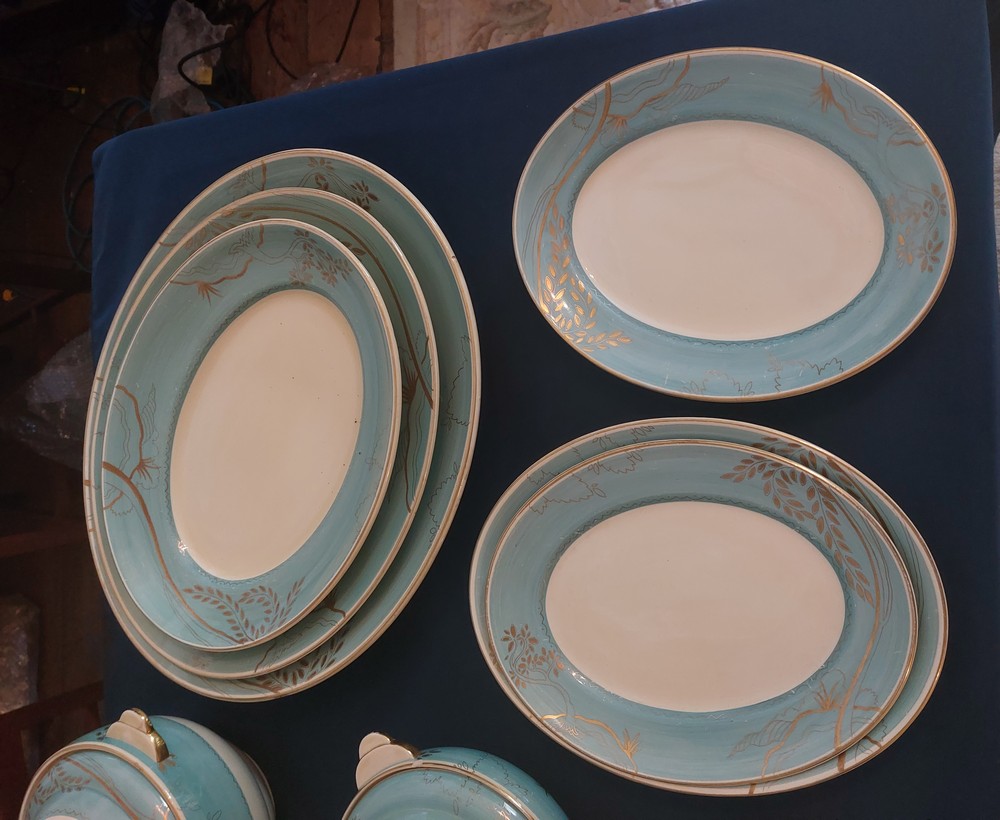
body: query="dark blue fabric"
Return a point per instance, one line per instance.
(922, 422)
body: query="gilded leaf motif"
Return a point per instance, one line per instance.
(914, 210)
(670, 87)
(307, 257)
(565, 298)
(302, 670)
(59, 780)
(783, 484)
(135, 457)
(529, 663)
(813, 713)
(252, 614)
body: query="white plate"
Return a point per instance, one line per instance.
(247, 439)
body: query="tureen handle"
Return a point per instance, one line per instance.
(135, 729)
(379, 752)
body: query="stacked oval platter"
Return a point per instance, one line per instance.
(713, 606)
(266, 419)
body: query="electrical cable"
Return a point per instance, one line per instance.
(270, 44)
(239, 33)
(120, 116)
(347, 31)
(73, 94)
(229, 81)
(124, 114)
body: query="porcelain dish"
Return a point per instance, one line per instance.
(734, 224)
(397, 781)
(407, 308)
(421, 244)
(929, 594)
(152, 461)
(601, 709)
(149, 767)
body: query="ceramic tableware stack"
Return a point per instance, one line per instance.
(705, 605)
(285, 408)
(715, 607)
(267, 416)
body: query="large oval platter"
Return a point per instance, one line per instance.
(699, 613)
(440, 278)
(930, 599)
(394, 277)
(734, 224)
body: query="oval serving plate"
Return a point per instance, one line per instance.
(734, 224)
(267, 371)
(696, 688)
(932, 633)
(394, 277)
(441, 280)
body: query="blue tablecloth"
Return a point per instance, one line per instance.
(922, 422)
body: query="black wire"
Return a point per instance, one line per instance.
(340, 52)
(6, 78)
(232, 80)
(240, 31)
(128, 102)
(270, 44)
(197, 52)
(233, 83)
(62, 99)
(347, 32)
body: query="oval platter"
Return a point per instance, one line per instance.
(408, 312)
(719, 740)
(929, 593)
(214, 552)
(440, 278)
(734, 224)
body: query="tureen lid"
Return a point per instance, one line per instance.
(108, 771)
(162, 767)
(394, 778)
